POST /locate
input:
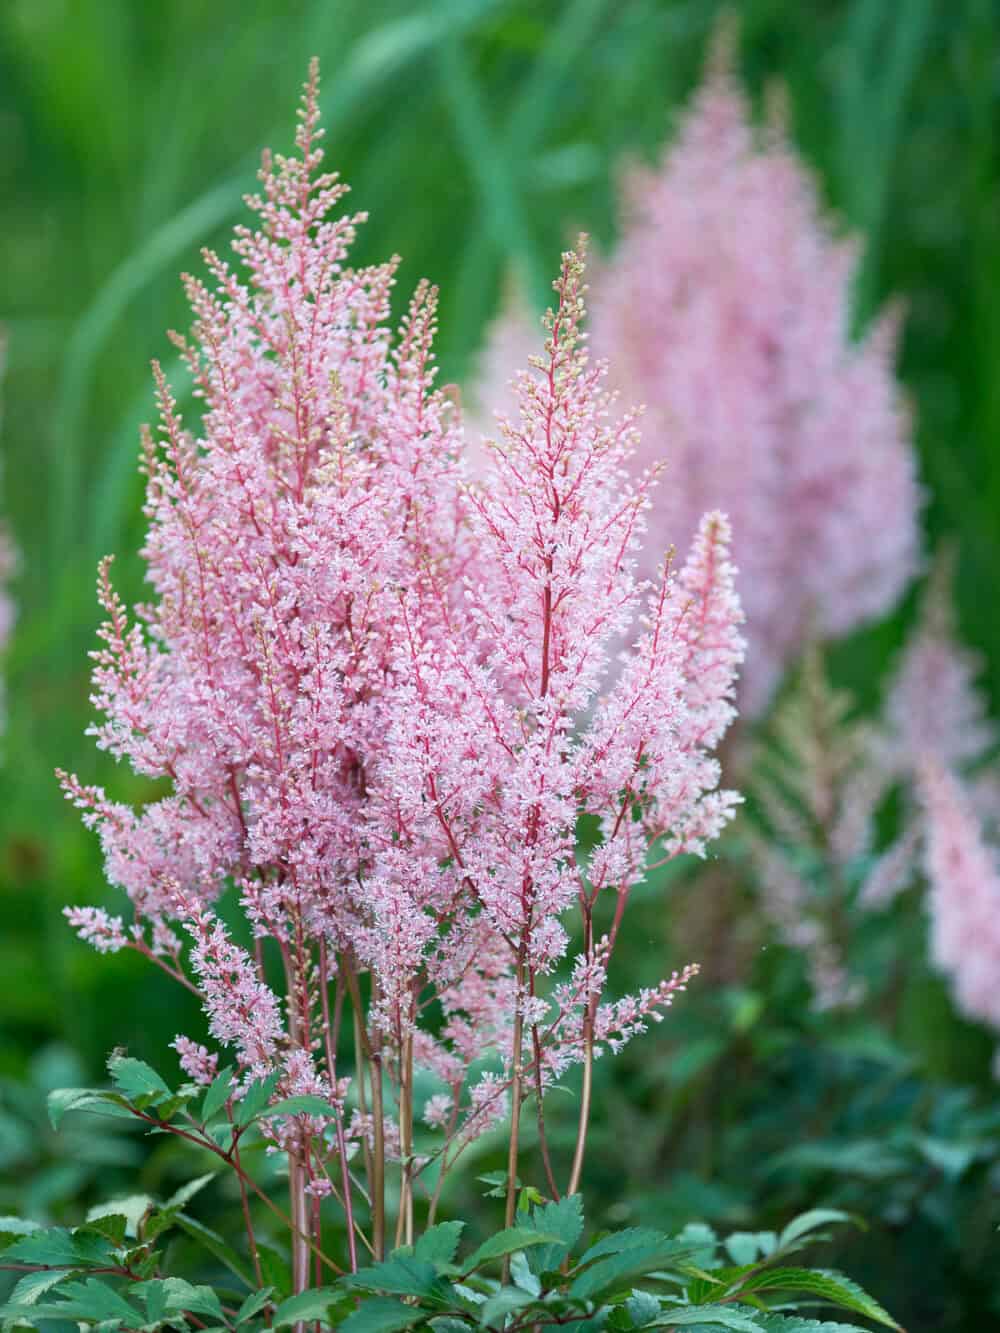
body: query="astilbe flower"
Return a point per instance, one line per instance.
(964, 898)
(375, 693)
(726, 309)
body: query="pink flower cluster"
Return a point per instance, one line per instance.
(964, 900)
(383, 695)
(726, 309)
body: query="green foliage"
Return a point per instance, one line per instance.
(113, 1279)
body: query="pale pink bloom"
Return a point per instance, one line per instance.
(726, 310)
(964, 898)
(93, 924)
(200, 1064)
(381, 697)
(935, 708)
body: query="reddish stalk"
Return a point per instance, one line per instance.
(516, 1094)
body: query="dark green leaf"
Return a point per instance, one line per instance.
(136, 1079)
(617, 1272)
(380, 1315)
(402, 1275)
(826, 1285)
(95, 1300)
(307, 1305)
(217, 1095)
(253, 1304)
(59, 1248)
(439, 1244)
(506, 1242)
(256, 1098)
(629, 1239)
(495, 1309)
(214, 1243)
(63, 1100)
(563, 1219)
(721, 1316)
(33, 1285)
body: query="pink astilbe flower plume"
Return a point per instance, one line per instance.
(382, 699)
(964, 901)
(726, 310)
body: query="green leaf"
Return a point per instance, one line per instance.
(642, 1307)
(617, 1272)
(306, 1103)
(33, 1285)
(743, 1247)
(826, 1285)
(275, 1270)
(402, 1275)
(58, 1248)
(253, 1304)
(495, 1310)
(131, 1210)
(216, 1246)
(506, 1242)
(187, 1192)
(521, 1274)
(629, 1239)
(217, 1095)
(136, 1079)
(778, 1323)
(307, 1305)
(809, 1221)
(63, 1100)
(256, 1098)
(722, 1316)
(381, 1315)
(439, 1244)
(17, 1226)
(445, 1324)
(563, 1219)
(95, 1300)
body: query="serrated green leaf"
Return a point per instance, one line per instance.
(307, 1305)
(722, 1316)
(810, 1221)
(63, 1100)
(253, 1304)
(137, 1079)
(132, 1209)
(521, 1274)
(17, 1226)
(495, 1309)
(642, 1307)
(506, 1242)
(217, 1094)
(629, 1238)
(93, 1299)
(29, 1288)
(58, 1248)
(743, 1247)
(778, 1323)
(439, 1244)
(256, 1098)
(402, 1275)
(563, 1219)
(381, 1315)
(617, 1272)
(826, 1285)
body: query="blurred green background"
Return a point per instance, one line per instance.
(480, 134)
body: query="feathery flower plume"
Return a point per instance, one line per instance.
(964, 899)
(726, 310)
(376, 694)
